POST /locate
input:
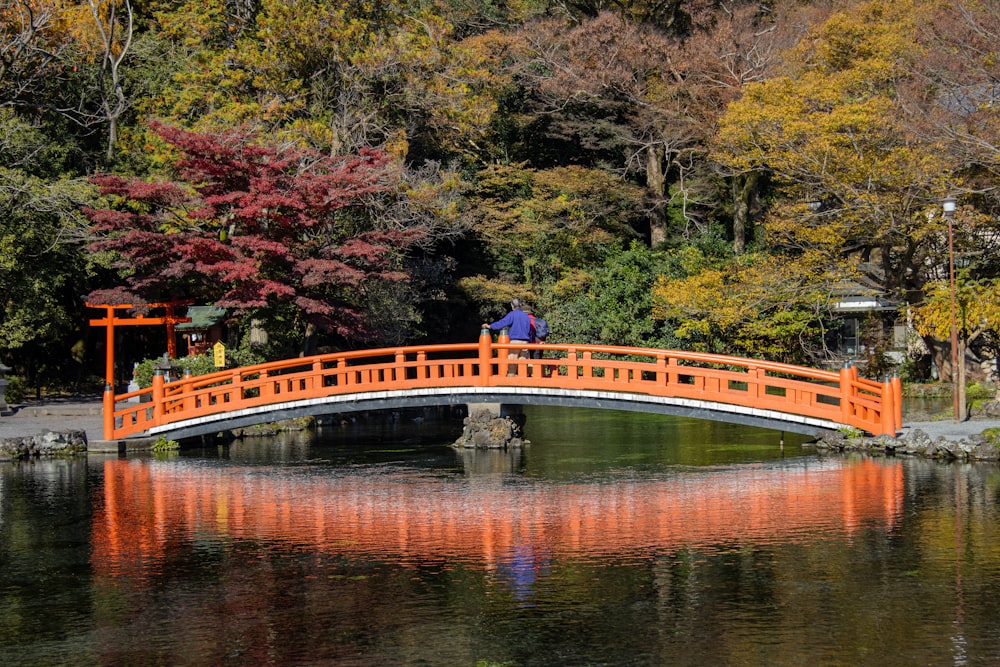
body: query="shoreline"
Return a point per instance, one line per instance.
(920, 436)
(973, 440)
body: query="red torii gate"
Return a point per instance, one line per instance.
(111, 319)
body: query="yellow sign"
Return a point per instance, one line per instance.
(220, 354)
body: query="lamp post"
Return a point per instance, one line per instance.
(949, 213)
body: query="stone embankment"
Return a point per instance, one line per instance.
(916, 442)
(483, 429)
(50, 443)
(53, 427)
(976, 439)
(272, 428)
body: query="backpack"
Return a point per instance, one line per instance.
(541, 328)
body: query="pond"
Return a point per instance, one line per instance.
(612, 539)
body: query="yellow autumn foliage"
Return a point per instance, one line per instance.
(977, 307)
(856, 188)
(830, 134)
(758, 304)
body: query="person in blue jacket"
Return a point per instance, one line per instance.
(519, 328)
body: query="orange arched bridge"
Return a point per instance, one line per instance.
(708, 386)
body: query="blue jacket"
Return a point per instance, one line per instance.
(519, 324)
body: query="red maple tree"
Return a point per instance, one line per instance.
(249, 226)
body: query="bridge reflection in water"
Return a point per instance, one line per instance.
(415, 517)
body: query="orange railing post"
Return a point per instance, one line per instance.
(847, 374)
(889, 400)
(399, 368)
(485, 356)
(266, 385)
(503, 356)
(759, 380)
(423, 370)
(897, 391)
(317, 371)
(109, 412)
(188, 395)
(158, 410)
(342, 373)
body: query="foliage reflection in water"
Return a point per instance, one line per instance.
(365, 547)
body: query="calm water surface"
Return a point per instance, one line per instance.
(614, 539)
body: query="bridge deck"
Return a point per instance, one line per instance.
(731, 388)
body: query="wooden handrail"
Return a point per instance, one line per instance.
(842, 397)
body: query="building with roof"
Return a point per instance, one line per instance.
(207, 327)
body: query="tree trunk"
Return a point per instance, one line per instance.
(940, 353)
(115, 51)
(112, 138)
(656, 185)
(744, 195)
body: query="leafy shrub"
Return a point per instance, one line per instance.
(851, 433)
(199, 365)
(977, 390)
(163, 444)
(15, 390)
(993, 435)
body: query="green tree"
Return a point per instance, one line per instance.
(615, 305)
(976, 315)
(541, 230)
(853, 183)
(755, 305)
(334, 77)
(42, 267)
(33, 42)
(951, 97)
(641, 98)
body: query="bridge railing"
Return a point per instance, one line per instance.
(842, 397)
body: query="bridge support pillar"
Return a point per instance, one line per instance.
(493, 426)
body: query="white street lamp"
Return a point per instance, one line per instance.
(949, 213)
